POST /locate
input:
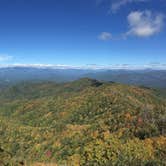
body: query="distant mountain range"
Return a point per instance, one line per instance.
(144, 77)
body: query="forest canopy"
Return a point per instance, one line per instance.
(84, 122)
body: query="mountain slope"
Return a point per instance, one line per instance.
(84, 122)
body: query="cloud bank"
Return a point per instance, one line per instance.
(152, 66)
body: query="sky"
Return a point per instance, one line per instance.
(83, 32)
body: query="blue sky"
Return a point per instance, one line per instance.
(83, 32)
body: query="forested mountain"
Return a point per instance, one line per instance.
(82, 123)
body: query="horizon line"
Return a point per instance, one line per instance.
(153, 66)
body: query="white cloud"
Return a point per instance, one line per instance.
(154, 66)
(119, 3)
(4, 57)
(144, 23)
(105, 36)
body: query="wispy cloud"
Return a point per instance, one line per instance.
(105, 36)
(4, 57)
(144, 23)
(116, 5)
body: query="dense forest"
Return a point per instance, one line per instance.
(82, 123)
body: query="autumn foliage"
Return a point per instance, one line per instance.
(82, 123)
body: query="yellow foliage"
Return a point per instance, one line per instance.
(142, 150)
(57, 144)
(44, 164)
(74, 160)
(74, 129)
(106, 134)
(95, 134)
(77, 127)
(160, 141)
(48, 115)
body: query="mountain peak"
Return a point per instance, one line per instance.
(88, 82)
